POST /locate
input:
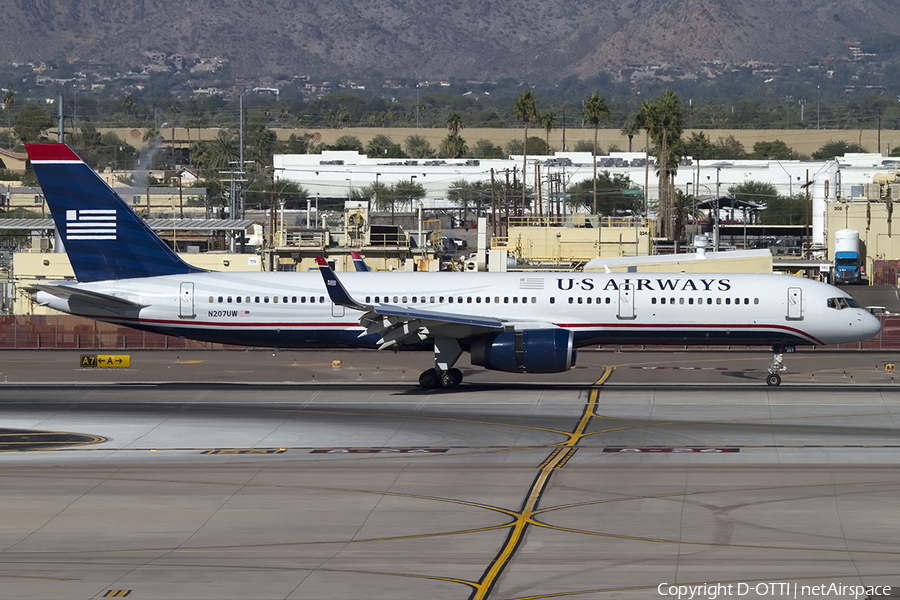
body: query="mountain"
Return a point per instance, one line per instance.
(530, 39)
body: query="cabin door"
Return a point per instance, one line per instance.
(337, 310)
(626, 303)
(794, 304)
(186, 301)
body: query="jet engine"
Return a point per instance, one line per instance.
(528, 351)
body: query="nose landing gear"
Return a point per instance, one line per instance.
(777, 367)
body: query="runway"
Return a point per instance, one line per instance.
(673, 472)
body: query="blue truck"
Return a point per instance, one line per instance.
(847, 262)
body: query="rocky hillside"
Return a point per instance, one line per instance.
(465, 38)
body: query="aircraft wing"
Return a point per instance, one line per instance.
(398, 325)
(98, 298)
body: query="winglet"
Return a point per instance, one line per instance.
(336, 291)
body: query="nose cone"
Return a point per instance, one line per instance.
(871, 325)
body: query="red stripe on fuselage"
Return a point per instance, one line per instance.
(50, 152)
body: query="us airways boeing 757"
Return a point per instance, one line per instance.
(514, 322)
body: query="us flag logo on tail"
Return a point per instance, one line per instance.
(91, 224)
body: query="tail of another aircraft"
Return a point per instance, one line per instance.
(104, 238)
(359, 263)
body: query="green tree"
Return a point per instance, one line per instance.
(595, 110)
(127, 104)
(32, 124)
(548, 122)
(668, 127)
(174, 111)
(611, 198)
(453, 146)
(834, 148)
(486, 149)
(454, 123)
(698, 146)
(729, 148)
(418, 147)
(9, 100)
(525, 109)
(631, 128)
(381, 146)
(776, 149)
(645, 118)
(348, 142)
(467, 195)
(756, 192)
(586, 146)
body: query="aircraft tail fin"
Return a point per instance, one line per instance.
(104, 238)
(358, 262)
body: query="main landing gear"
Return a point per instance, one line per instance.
(777, 367)
(446, 352)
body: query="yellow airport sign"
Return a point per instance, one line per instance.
(106, 360)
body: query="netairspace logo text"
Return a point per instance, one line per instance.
(711, 591)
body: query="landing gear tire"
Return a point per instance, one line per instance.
(429, 379)
(452, 378)
(773, 379)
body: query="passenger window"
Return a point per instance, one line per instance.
(395, 300)
(653, 300)
(756, 301)
(552, 299)
(469, 300)
(312, 299)
(589, 299)
(404, 300)
(516, 299)
(487, 299)
(248, 299)
(257, 299)
(275, 299)
(609, 300)
(377, 300)
(505, 299)
(690, 300)
(709, 300)
(534, 300)
(238, 299)
(220, 299)
(459, 299)
(571, 300)
(265, 299)
(211, 299)
(441, 300)
(718, 301)
(284, 299)
(450, 299)
(432, 299)
(322, 299)
(681, 301)
(477, 299)
(580, 300)
(423, 299)
(228, 299)
(727, 300)
(496, 299)
(302, 299)
(746, 300)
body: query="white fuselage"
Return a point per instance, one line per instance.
(284, 309)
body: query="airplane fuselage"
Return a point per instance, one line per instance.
(293, 310)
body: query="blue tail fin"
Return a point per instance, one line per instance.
(359, 263)
(104, 238)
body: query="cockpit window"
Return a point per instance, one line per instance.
(842, 303)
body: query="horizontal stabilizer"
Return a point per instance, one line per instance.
(97, 298)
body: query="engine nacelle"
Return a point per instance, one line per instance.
(529, 351)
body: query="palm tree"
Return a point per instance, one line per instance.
(595, 109)
(173, 112)
(548, 121)
(631, 128)
(525, 108)
(645, 118)
(9, 100)
(454, 123)
(127, 103)
(669, 127)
